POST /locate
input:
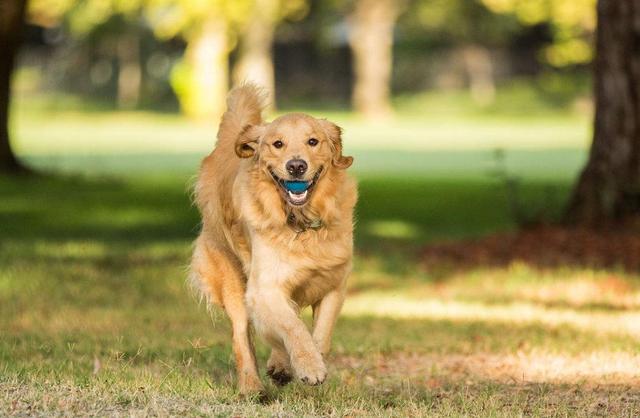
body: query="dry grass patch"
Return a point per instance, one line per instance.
(592, 369)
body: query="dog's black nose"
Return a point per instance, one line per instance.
(296, 167)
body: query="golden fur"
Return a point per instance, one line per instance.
(263, 258)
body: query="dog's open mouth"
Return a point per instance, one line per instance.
(296, 192)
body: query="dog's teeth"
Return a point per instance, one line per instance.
(298, 197)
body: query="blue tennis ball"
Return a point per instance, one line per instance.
(296, 186)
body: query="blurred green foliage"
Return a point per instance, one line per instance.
(516, 38)
(209, 28)
(460, 22)
(572, 21)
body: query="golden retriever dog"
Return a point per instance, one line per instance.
(277, 235)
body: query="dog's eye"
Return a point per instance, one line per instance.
(313, 142)
(278, 144)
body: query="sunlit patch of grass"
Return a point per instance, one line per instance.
(565, 287)
(560, 287)
(599, 367)
(70, 249)
(434, 121)
(399, 307)
(392, 229)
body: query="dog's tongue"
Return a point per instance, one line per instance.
(296, 187)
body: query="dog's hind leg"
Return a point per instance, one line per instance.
(325, 314)
(233, 301)
(221, 277)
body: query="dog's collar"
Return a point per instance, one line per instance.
(302, 225)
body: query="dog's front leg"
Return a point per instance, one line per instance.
(275, 317)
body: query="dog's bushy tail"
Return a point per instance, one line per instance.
(244, 107)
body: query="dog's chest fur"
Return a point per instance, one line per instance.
(307, 265)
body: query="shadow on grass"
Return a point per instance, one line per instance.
(400, 214)
(109, 210)
(395, 216)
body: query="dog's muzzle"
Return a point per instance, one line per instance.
(296, 192)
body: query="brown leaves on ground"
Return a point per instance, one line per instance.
(544, 246)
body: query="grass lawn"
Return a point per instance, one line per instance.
(96, 319)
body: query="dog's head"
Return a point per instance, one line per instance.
(296, 151)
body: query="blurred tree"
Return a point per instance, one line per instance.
(129, 69)
(372, 24)
(572, 23)
(201, 79)
(609, 187)
(471, 30)
(255, 61)
(82, 16)
(12, 14)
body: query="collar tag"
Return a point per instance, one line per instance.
(304, 224)
(316, 224)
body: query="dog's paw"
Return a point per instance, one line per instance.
(278, 368)
(280, 377)
(310, 368)
(249, 385)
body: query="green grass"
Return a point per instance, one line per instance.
(96, 318)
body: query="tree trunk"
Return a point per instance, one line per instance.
(202, 86)
(130, 70)
(11, 21)
(255, 61)
(479, 68)
(608, 190)
(371, 40)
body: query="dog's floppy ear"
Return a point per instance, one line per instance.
(247, 142)
(334, 133)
